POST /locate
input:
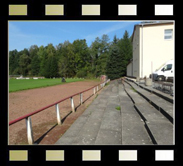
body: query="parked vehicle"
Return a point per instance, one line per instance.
(165, 72)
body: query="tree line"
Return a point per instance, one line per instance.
(74, 59)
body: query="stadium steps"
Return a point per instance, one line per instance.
(159, 128)
(165, 107)
(133, 129)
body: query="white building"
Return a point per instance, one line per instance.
(153, 45)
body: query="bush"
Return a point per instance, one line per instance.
(90, 76)
(81, 74)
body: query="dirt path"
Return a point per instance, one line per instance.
(45, 128)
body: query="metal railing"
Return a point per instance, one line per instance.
(27, 117)
(164, 87)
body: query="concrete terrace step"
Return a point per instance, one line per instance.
(162, 132)
(133, 129)
(159, 128)
(110, 129)
(137, 123)
(165, 107)
(100, 115)
(135, 97)
(165, 96)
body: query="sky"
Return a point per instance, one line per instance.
(23, 34)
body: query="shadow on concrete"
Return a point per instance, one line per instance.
(42, 137)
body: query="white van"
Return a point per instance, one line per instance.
(164, 72)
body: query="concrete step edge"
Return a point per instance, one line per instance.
(169, 117)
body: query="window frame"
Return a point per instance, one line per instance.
(169, 34)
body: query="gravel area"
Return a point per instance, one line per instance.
(45, 128)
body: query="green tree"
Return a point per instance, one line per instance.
(104, 53)
(50, 50)
(113, 64)
(42, 56)
(51, 65)
(24, 63)
(104, 43)
(99, 54)
(33, 51)
(51, 69)
(125, 47)
(81, 57)
(13, 62)
(35, 66)
(94, 53)
(115, 40)
(66, 63)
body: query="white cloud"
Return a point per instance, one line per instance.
(108, 30)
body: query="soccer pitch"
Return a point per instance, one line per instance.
(24, 84)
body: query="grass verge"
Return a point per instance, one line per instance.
(24, 84)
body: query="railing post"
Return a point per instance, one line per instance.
(29, 130)
(94, 90)
(81, 98)
(97, 88)
(72, 104)
(58, 114)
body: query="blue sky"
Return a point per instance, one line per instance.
(23, 34)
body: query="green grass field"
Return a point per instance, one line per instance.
(18, 85)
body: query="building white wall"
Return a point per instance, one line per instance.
(156, 49)
(150, 49)
(136, 44)
(130, 69)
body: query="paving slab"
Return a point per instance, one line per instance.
(135, 96)
(160, 102)
(133, 129)
(162, 132)
(150, 113)
(70, 134)
(153, 89)
(108, 137)
(102, 124)
(134, 134)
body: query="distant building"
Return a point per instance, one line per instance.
(153, 45)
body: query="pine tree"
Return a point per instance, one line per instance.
(125, 51)
(113, 64)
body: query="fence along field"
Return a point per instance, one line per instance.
(24, 84)
(94, 89)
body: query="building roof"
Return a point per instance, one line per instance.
(155, 23)
(152, 23)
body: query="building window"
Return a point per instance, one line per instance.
(168, 34)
